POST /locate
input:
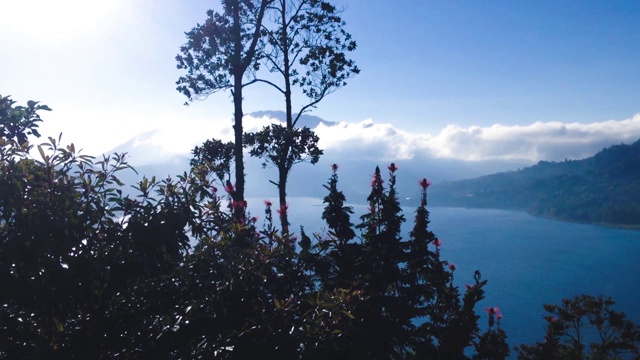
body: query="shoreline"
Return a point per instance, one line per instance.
(606, 225)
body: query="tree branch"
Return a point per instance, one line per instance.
(264, 81)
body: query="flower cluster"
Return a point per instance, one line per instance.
(494, 311)
(424, 184)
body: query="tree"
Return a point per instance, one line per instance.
(585, 327)
(306, 46)
(17, 122)
(71, 246)
(217, 56)
(284, 148)
(409, 306)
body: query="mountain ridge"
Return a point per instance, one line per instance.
(603, 189)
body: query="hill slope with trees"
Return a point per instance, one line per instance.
(603, 189)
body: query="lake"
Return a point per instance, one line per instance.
(528, 261)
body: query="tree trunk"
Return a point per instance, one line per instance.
(282, 193)
(238, 72)
(283, 169)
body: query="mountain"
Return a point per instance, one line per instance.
(310, 121)
(603, 189)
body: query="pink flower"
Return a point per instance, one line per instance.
(293, 239)
(437, 242)
(424, 184)
(376, 181)
(489, 310)
(392, 167)
(494, 311)
(267, 203)
(452, 267)
(334, 167)
(229, 188)
(254, 219)
(214, 189)
(283, 209)
(238, 204)
(554, 319)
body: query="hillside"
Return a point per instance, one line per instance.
(603, 189)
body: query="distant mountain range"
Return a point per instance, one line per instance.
(603, 189)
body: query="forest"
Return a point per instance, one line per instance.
(602, 189)
(178, 268)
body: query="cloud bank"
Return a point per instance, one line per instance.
(551, 141)
(367, 140)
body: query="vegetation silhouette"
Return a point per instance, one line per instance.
(88, 272)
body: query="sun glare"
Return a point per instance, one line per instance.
(56, 20)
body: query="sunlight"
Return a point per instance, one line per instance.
(60, 20)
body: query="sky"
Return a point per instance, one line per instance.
(470, 80)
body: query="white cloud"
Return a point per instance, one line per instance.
(171, 134)
(534, 142)
(176, 138)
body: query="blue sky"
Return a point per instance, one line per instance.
(449, 70)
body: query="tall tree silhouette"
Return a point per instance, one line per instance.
(306, 46)
(217, 56)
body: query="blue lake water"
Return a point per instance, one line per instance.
(528, 261)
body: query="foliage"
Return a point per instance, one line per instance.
(215, 157)
(602, 189)
(18, 122)
(72, 247)
(305, 45)
(169, 273)
(283, 148)
(585, 327)
(217, 56)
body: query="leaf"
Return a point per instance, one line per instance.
(41, 152)
(348, 314)
(58, 324)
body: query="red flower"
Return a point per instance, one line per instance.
(229, 188)
(424, 184)
(489, 310)
(334, 167)
(214, 189)
(267, 203)
(469, 287)
(494, 311)
(554, 319)
(392, 167)
(437, 242)
(452, 267)
(283, 209)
